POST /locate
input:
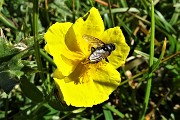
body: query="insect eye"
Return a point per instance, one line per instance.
(105, 49)
(114, 47)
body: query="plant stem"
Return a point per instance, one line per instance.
(91, 2)
(112, 20)
(148, 87)
(47, 58)
(46, 12)
(114, 110)
(6, 108)
(35, 34)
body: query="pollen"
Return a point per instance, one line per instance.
(83, 78)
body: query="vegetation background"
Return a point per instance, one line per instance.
(27, 90)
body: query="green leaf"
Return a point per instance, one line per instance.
(175, 16)
(155, 65)
(7, 50)
(1, 4)
(107, 114)
(40, 113)
(11, 65)
(7, 22)
(31, 91)
(114, 110)
(14, 65)
(7, 81)
(57, 104)
(161, 21)
(145, 55)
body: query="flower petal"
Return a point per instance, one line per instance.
(99, 84)
(64, 59)
(119, 55)
(93, 26)
(74, 40)
(56, 34)
(58, 74)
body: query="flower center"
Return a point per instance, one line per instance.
(84, 74)
(86, 70)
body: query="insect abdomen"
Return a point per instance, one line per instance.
(98, 55)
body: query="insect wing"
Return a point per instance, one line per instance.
(95, 42)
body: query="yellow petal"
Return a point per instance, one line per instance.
(47, 49)
(99, 84)
(67, 61)
(119, 55)
(58, 74)
(56, 34)
(64, 59)
(93, 25)
(74, 40)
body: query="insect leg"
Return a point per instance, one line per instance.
(106, 60)
(93, 49)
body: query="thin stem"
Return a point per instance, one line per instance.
(6, 108)
(91, 2)
(153, 67)
(135, 76)
(46, 12)
(114, 110)
(173, 55)
(74, 12)
(47, 58)
(63, 117)
(35, 33)
(38, 107)
(148, 87)
(109, 6)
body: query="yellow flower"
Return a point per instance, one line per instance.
(79, 83)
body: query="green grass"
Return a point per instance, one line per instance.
(150, 84)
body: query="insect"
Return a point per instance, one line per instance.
(99, 49)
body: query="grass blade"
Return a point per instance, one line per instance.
(114, 110)
(148, 87)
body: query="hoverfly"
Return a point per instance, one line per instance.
(99, 49)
